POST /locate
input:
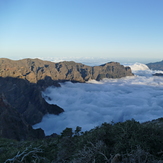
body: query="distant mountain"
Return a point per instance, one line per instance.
(156, 65)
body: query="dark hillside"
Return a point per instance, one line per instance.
(27, 98)
(13, 125)
(156, 65)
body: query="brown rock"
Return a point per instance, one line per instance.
(34, 70)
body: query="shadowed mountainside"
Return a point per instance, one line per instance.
(12, 124)
(27, 98)
(156, 65)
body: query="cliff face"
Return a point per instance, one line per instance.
(111, 70)
(79, 72)
(12, 124)
(26, 97)
(35, 70)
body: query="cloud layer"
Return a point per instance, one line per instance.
(89, 104)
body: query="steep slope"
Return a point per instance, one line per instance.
(26, 97)
(12, 124)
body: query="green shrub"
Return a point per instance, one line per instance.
(135, 142)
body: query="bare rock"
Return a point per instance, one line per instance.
(35, 70)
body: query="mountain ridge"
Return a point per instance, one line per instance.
(22, 82)
(156, 65)
(34, 70)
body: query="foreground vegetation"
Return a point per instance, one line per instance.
(135, 142)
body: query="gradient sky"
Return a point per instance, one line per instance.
(81, 28)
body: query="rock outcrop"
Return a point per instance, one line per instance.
(156, 65)
(35, 70)
(12, 124)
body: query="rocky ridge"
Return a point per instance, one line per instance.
(35, 70)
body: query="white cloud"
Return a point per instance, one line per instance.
(89, 104)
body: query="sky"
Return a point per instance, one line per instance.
(81, 28)
(90, 104)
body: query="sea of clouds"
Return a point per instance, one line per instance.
(90, 104)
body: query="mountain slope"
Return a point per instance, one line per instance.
(156, 65)
(27, 98)
(12, 124)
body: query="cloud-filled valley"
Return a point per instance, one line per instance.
(90, 104)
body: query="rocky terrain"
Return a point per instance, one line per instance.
(22, 81)
(156, 65)
(27, 98)
(35, 70)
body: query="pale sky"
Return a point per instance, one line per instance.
(81, 28)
